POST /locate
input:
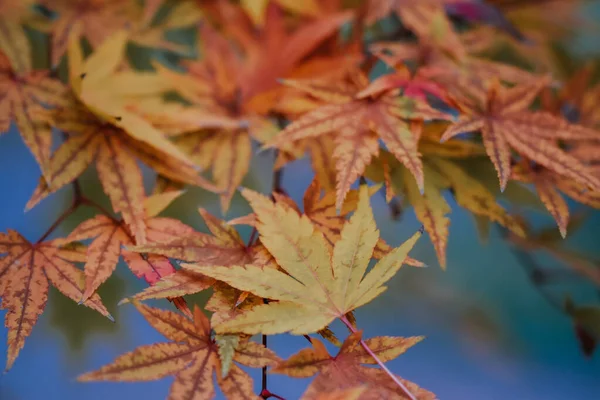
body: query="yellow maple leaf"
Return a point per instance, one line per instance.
(319, 286)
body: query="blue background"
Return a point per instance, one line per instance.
(489, 332)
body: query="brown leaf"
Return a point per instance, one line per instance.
(26, 272)
(192, 357)
(344, 371)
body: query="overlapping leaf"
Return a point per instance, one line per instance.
(443, 172)
(505, 122)
(192, 356)
(223, 246)
(110, 236)
(102, 131)
(26, 272)
(357, 121)
(456, 76)
(321, 211)
(97, 20)
(337, 281)
(426, 18)
(226, 86)
(344, 370)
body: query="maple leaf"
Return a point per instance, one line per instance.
(227, 87)
(443, 172)
(26, 272)
(505, 122)
(191, 355)
(456, 76)
(182, 14)
(336, 282)
(25, 92)
(321, 210)
(223, 247)
(426, 18)
(95, 20)
(110, 235)
(345, 370)
(113, 142)
(278, 53)
(358, 121)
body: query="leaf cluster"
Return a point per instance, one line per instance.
(475, 108)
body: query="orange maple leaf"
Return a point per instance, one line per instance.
(223, 246)
(239, 88)
(505, 121)
(358, 120)
(192, 356)
(110, 235)
(26, 272)
(345, 370)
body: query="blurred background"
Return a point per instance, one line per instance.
(492, 332)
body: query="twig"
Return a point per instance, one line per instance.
(364, 345)
(264, 369)
(61, 218)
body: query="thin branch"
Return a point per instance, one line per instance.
(364, 345)
(61, 218)
(264, 369)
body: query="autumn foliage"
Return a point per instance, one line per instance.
(429, 102)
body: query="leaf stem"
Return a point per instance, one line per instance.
(364, 345)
